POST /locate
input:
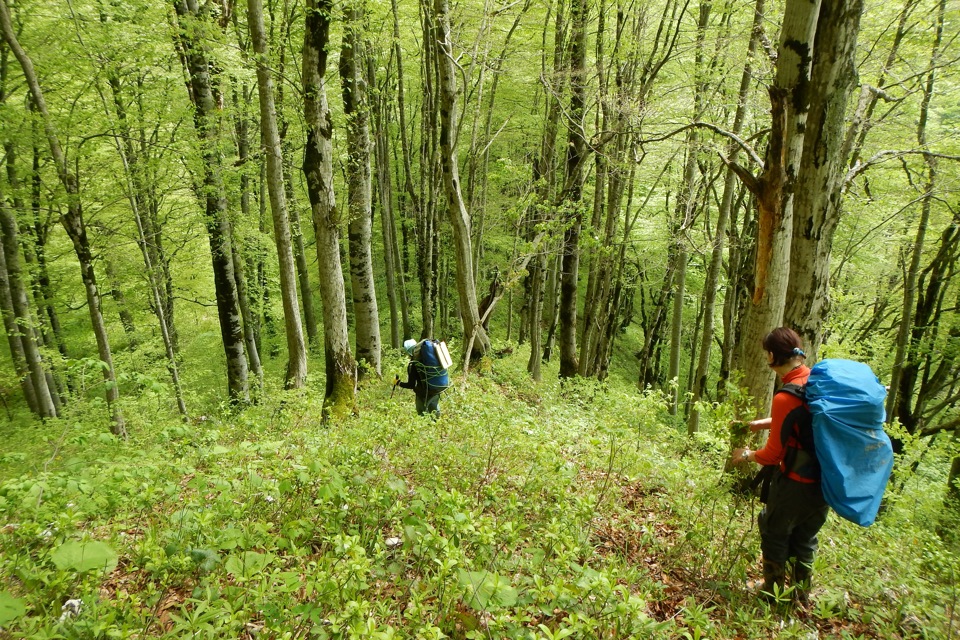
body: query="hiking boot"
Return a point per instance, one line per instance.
(774, 574)
(802, 574)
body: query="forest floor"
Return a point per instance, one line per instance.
(524, 511)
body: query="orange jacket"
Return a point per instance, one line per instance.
(784, 404)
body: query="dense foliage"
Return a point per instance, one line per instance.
(546, 512)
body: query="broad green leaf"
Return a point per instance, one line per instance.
(84, 556)
(487, 591)
(10, 608)
(247, 564)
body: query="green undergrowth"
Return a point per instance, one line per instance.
(524, 511)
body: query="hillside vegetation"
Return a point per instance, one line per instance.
(525, 511)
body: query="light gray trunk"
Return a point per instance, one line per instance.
(341, 369)
(820, 180)
(356, 109)
(475, 337)
(296, 349)
(789, 99)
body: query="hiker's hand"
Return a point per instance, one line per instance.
(760, 425)
(396, 380)
(740, 456)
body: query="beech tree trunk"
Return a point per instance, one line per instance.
(357, 111)
(296, 349)
(341, 368)
(822, 172)
(572, 194)
(774, 189)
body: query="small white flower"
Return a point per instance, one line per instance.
(393, 543)
(269, 498)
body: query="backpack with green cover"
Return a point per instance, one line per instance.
(433, 360)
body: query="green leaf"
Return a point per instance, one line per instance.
(247, 564)
(10, 608)
(487, 591)
(84, 556)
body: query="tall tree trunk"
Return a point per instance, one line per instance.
(572, 194)
(357, 111)
(72, 222)
(774, 189)
(206, 120)
(293, 208)
(381, 146)
(341, 368)
(821, 175)
(475, 336)
(544, 177)
(427, 233)
(296, 349)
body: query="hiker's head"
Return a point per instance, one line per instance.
(784, 346)
(408, 346)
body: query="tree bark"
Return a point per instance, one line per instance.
(723, 216)
(20, 326)
(357, 111)
(341, 374)
(572, 195)
(822, 171)
(296, 349)
(206, 120)
(774, 189)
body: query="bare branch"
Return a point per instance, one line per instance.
(740, 142)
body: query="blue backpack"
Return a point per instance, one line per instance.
(846, 401)
(428, 361)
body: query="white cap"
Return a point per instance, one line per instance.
(408, 345)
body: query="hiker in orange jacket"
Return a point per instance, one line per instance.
(795, 509)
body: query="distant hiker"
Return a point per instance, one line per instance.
(426, 374)
(795, 508)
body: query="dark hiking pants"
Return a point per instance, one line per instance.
(789, 523)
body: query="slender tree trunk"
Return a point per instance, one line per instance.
(23, 322)
(572, 195)
(341, 368)
(72, 222)
(903, 375)
(475, 336)
(206, 119)
(357, 111)
(296, 349)
(14, 340)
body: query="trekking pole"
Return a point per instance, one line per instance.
(396, 381)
